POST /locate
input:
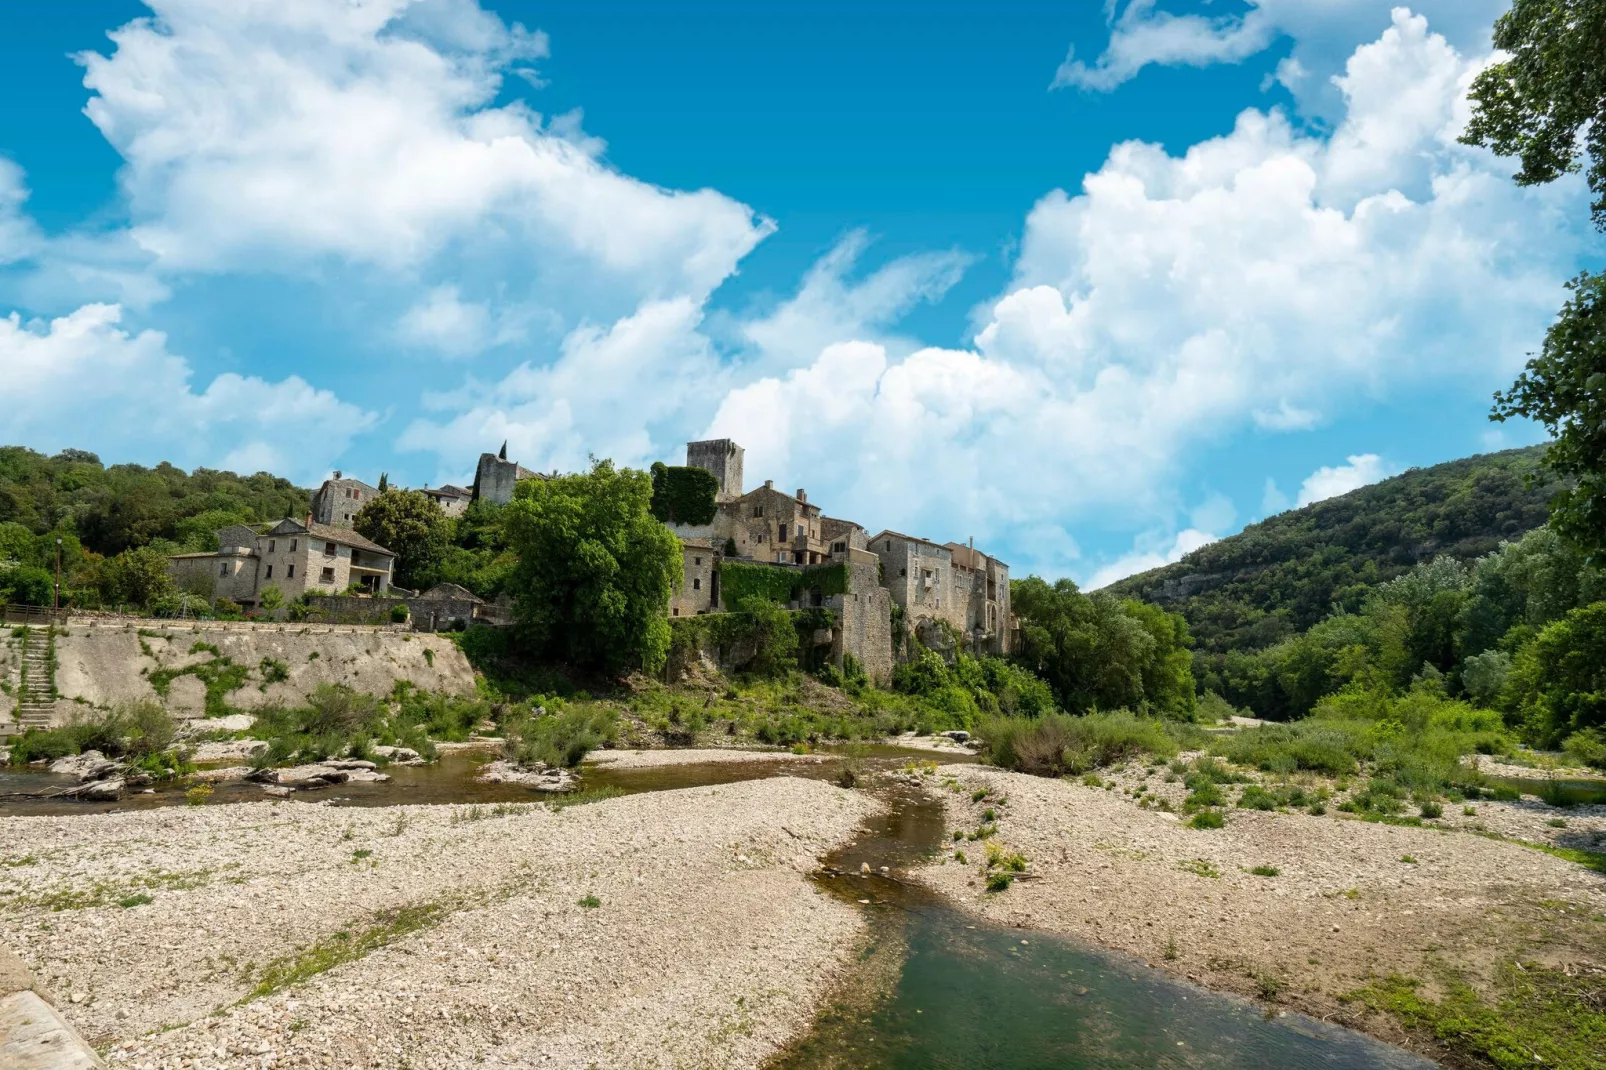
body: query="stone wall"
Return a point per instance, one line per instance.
(103, 662)
(699, 590)
(723, 459)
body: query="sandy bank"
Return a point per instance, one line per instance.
(706, 945)
(1345, 905)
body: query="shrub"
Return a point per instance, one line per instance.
(398, 613)
(1059, 744)
(1255, 797)
(559, 739)
(1207, 819)
(1587, 747)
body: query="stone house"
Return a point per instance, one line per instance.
(699, 590)
(442, 606)
(952, 583)
(294, 556)
(339, 499)
(453, 500)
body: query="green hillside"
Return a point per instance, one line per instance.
(1288, 572)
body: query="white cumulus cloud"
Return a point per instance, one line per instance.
(1149, 552)
(1257, 279)
(83, 381)
(1326, 482)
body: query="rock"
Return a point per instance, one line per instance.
(349, 763)
(366, 776)
(398, 755)
(229, 772)
(276, 790)
(864, 868)
(958, 736)
(90, 765)
(102, 790)
(226, 750)
(543, 778)
(301, 776)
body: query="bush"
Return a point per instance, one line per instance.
(1207, 819)
(559, 739)
(131, 730)
(1058, 744)
(1587, 747)
(398, 613)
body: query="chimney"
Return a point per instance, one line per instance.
(769, 484)
(337, 473)
(802, 495)
(973, 542)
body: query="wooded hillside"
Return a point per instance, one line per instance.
(1286, 573)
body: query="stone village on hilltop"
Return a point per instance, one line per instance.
(945, 593)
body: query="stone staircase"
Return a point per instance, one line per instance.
(38, 706)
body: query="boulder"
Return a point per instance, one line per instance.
(102, 790)
(365, 776)
(228, 750)
(349, 763)
(301, 776)
(90, 765)
(228, 772)
(398, 755)
(958, 736)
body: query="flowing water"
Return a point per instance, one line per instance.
(934, 988)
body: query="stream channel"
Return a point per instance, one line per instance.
(933, 987)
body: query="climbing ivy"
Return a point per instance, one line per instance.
(682, 495)
(738, 581)
(221, 676)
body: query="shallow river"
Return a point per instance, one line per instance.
(935, 987)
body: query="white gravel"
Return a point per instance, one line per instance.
(647, 759)
(709, 947)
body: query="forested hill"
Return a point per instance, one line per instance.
(1287, 572)
(127, 505)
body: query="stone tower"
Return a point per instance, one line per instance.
(723, 458)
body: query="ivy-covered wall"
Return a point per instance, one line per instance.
(682, 495)
(739, 582)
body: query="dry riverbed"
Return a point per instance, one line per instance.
(1350, 903)
(663, 930)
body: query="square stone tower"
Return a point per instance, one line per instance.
(723, 458)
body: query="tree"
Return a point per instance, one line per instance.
(1564, 388)
(384, 482)
(136, 577)
(270, 599)
(410, 525)
(1558, 681)
(595, 569)
(1534, 106)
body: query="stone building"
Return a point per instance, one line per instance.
(496, 476)
(337, 501)
(840, 536)
(699, 591)
(453, 500)
(723, 458)
(294, 556)
(442, 607)
(952, 583)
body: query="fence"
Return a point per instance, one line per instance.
(41, 615)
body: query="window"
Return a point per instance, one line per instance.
(290, 573)
(903, 572)
(223, 569)
(839, 547)
(889, 544)
(676, 611)
(328, 549)
(758, 511)
(696, 560)
(292, 546)
(356, 495)
(269, 574)
(271, 544)
(780, 533)
(348, 516)
(696, 585)
(328, 576)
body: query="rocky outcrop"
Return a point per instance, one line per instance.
(90, 765)
(227, 750)
(540, 777)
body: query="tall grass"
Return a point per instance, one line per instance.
(1059, 745)
(130, 730)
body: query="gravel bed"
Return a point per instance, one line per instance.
(1350, 900)
(662, 930)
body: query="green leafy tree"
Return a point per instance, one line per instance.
(1546, 105)
(26, 586)
(137, 577)
(1098, 652)
(270, 599)
(683, 495)
(596, 568)
(1558, 681)
(410, 525)
(1564, 388)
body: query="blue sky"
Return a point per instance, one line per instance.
(1094, 285)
